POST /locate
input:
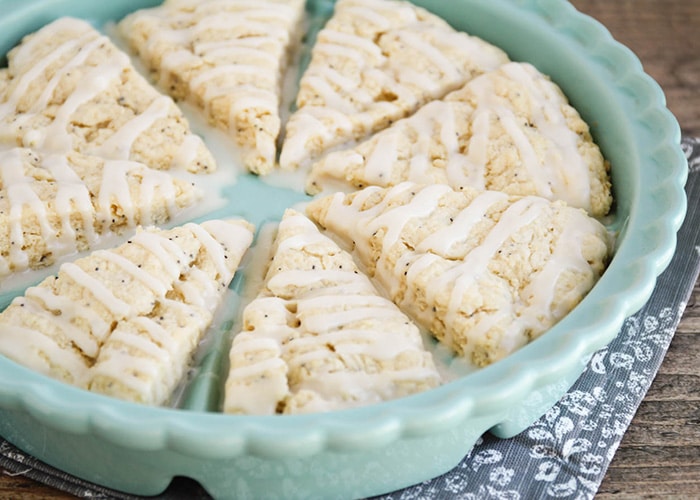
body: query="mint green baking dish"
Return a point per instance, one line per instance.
(384, 447)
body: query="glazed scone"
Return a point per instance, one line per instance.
(146, 356)
(319, 337)
(69, 88)
(483, 271)
(155, 293)
(510, 130)
(228, 58)
(374, 62)
(52, 205)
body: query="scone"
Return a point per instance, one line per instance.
(484, 271)
(68, 88)
(125, 321)
(52, 205)
(374, 62)
(510, 130)
(319, 337)
(228, 58)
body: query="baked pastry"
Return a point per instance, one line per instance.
(374, 62)
(510, 130)
(85, 140)
(69, 88)
(228, 58)
(319, 337)
(52, 205)
(125, 321)
(483, 271)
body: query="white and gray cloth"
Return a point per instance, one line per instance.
(563, 455)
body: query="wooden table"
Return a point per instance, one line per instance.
(660, 454)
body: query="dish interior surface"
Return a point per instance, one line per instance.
(376, 449)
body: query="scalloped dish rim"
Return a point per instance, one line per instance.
(657, 206)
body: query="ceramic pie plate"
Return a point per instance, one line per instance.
(384, 447)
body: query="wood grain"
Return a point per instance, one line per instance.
(17, 487)
(664, 35)
(659, 456)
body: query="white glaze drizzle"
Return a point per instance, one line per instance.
(36, 69)
(243, 63)
(72, 197)
(475, 264)
(555, 172)
(42, 354)
(160, 354)
(157, 359)
(118, 146)
(99, 290)
(54, 141)
(20, 195)
(553, 175)
(534, 309)
(144, 360)
(340, 57)
(71, 312)
(335, 306)
(459, 229)
(157, 286)
(107, 71)
(87, 341)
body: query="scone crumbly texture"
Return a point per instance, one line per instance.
(69, 88)
(53, 205)
(511, 130)
(483, 271)
(374, 62)
(228, 58)
(319, 337)
(125, 321)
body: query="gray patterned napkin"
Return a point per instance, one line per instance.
(566, 452)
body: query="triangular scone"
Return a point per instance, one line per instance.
(125, 321)
(374, 62)
(70, 89)
(228, 58)
(52, 205)
(319, 337)
(485, 272)
(509, 130)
